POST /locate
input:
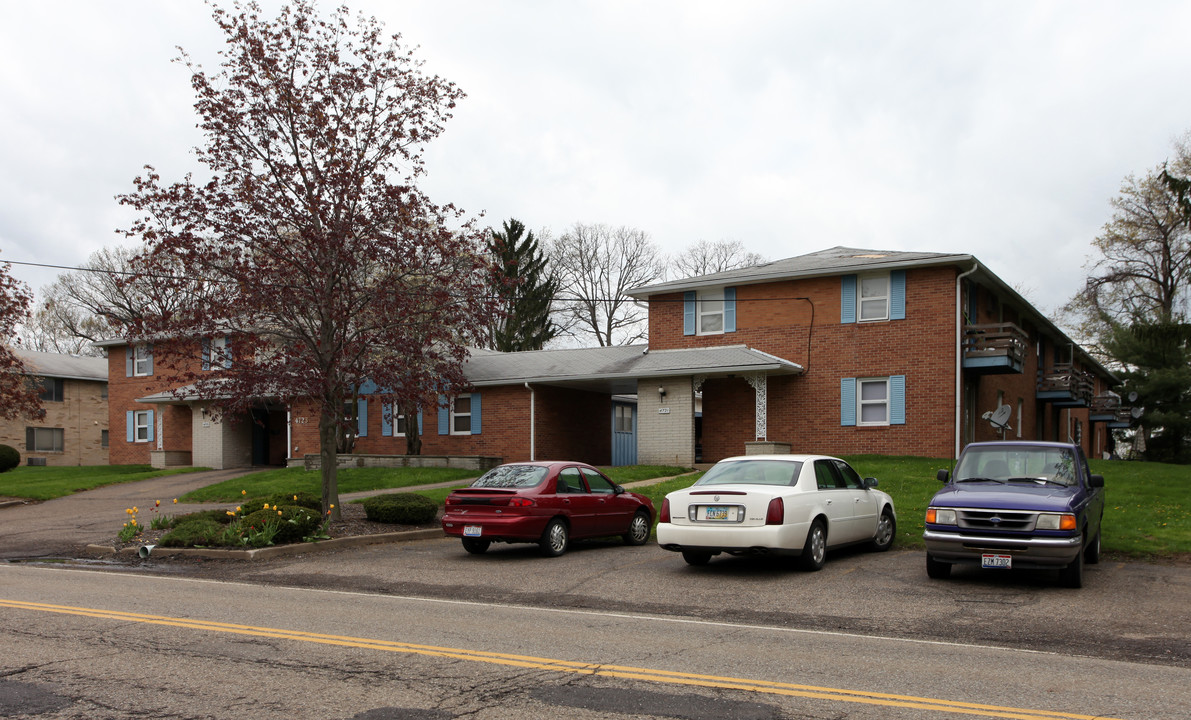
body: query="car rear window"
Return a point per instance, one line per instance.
(753, 472)
(512, 476)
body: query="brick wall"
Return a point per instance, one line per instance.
(175, 420)
(82, 415)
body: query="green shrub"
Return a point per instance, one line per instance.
(300, 499)
(401, 509)
(195, 531)
(294, 523)
(9, 458)
(219, 516)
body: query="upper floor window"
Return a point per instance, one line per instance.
(217, 353)
(51, 389)
(874, 298)
(142, 360)
(709, 312)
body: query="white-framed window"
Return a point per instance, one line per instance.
(872, 401)
(142, 424)
(461, 415)
(142, 360)
(398, 420)
(623, 415)
(710, 310)
(39, 439)
(873, 297)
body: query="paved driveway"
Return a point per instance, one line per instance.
(63, 526)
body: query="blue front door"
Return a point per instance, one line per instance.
(624, 434)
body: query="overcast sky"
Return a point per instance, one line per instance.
(1000, 129)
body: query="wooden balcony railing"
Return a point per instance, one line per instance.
(995, 346)
(1064, 382)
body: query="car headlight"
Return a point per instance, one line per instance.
(1055, 521)
(940, 516)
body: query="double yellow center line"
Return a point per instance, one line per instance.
(567, 666)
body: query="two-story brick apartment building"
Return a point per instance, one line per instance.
(841, 351)
(74, 430)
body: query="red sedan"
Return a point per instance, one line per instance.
(547, 503)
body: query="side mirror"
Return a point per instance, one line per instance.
(943, 476)
(617, 490)
(870, 482)
(1096, 481)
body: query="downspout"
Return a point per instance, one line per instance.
(289, 434)
(959, 354)
(532, 456)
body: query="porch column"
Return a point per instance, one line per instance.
(760, 384)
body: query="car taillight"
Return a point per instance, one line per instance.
(521, 502)
(664, 515)
(776, 514)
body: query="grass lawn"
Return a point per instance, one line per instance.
(47, 483)
(1147, 514)
(292, 480)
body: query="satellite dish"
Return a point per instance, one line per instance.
(1133, 396)
(999, 418)
(1136, 412)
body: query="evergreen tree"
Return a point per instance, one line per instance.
(525, 291)
(1157, 358)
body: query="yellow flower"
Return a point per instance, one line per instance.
(243, 492)
(156, 503)
(278, 512)
(332, 507)
(175, 501)
(229, 512)
(266, 506)
(295, 497)
(237, 508)
(135, 509)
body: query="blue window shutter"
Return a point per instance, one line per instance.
(475, 413)
(150, 426)
(420, 426)
(897, 295)
(847, 300)
(688, 313)
(206, 353)
(897, 400)
(444, 416)
(847, 401)
(729, 310)
(130, 425)
(128, 361)
(227, 351)
(386, 419)
(362, 418)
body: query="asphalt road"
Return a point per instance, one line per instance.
(115, 645)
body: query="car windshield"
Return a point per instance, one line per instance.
(512, 476)
(1017, 463)
(753, 472)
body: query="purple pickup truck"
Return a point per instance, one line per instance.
(1017, 505)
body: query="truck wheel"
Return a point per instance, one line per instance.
(1072, 575)
(937, 569)
(1091, 554)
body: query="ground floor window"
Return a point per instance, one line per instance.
(873, 401)
(461, 415)
(44, 439)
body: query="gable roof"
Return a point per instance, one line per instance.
(834, 261)
(67, 367)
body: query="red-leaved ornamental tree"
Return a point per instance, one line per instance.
(18, 396)
(310, 244)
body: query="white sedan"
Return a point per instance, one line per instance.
(776, 505)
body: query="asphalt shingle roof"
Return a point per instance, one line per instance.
(71, 367)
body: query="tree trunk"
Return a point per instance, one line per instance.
(413, 437)
(328, 436)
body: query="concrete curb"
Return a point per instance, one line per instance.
(267, 553)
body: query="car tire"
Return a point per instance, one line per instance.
(886, 532)
(476, 547)
(937, 569)
(814, 550)
(694, 557)
(555, 538)
(1072, 575)
(1091, 554)
(639, 528)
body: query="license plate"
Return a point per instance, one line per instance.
(1001, 562)
(473, 530)
(716, 513)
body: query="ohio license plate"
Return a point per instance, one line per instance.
(1000, 562)
(473, 530)
(716, 513)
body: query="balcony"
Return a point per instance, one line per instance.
(994, 349)
(1064, 386)
(1106, 408)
